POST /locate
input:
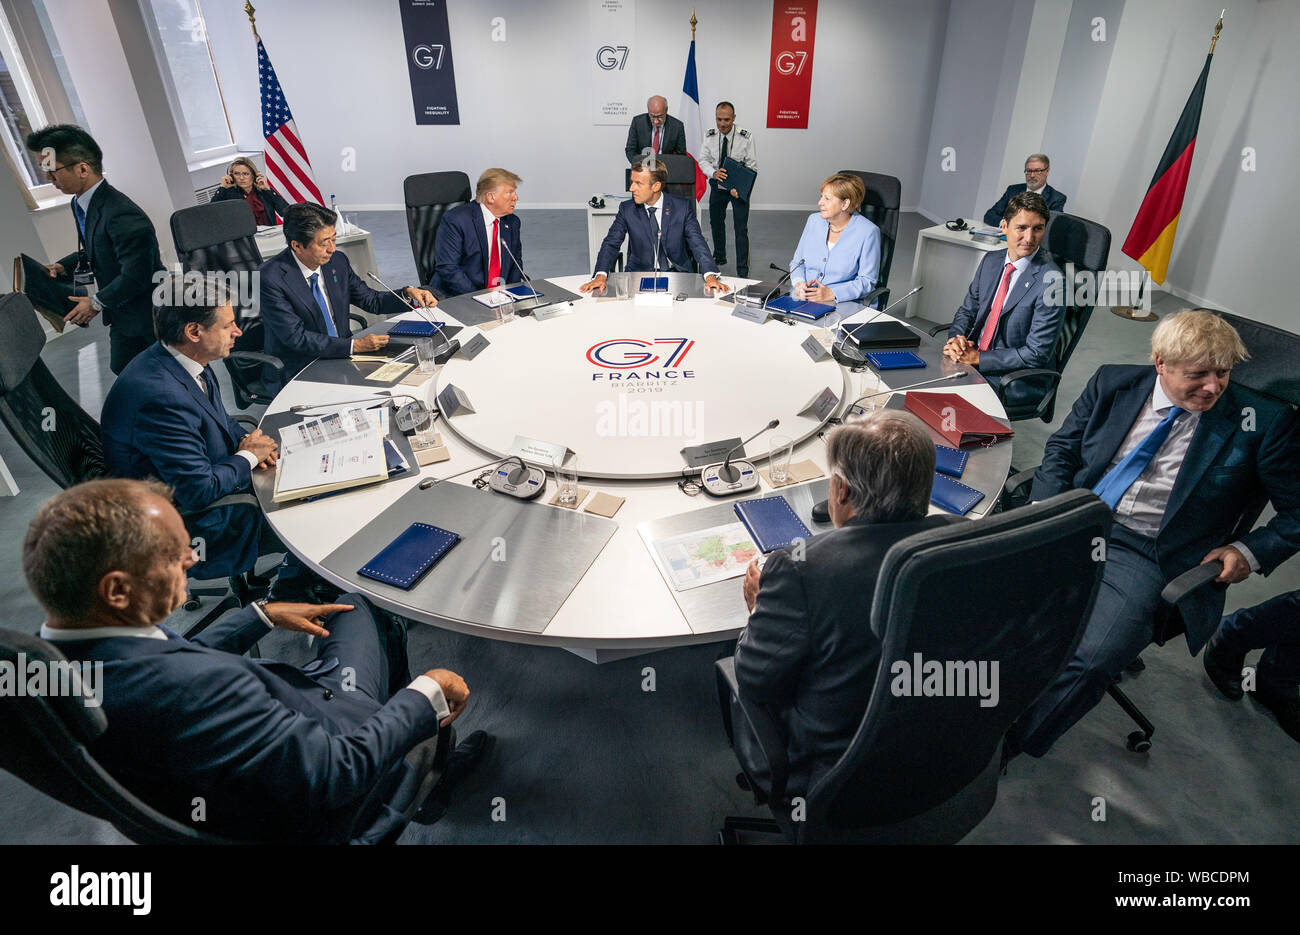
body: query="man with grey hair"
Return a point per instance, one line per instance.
(1037, 168)
(654, 132)
(1178, 454)
(808, 654)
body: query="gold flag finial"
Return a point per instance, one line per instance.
(693, 22)
(1218, 28)
(252, 21)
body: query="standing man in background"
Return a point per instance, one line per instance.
(727, 140)
(654, 132)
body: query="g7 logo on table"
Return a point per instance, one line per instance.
(627, 353)
(607, 57)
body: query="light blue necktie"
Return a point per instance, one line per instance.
(324, 308)
(1120, 478)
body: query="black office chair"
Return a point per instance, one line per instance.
(429, 196)
(925, 770)
(1270, 370)
(45, 741)
(881, 207)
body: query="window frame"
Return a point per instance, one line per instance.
(29, 92)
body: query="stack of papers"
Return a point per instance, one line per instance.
(329, 452)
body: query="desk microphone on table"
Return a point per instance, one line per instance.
(838, 351)
(722, 480)
(385, 397)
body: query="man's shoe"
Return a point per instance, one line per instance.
(1284, 702)
(462, 761)
(1224, 668)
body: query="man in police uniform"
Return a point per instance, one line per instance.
(727, 140)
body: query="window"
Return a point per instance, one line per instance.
(19, 108)
(182, 41)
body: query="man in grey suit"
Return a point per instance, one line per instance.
(1011, 319)
(808, 654)
(654, 132)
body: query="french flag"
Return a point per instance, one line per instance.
(691, 120)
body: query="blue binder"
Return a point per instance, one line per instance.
(410, 555)
(771, 522)
(953, 495)
(950, 461)
(651, 284)
(894, 360)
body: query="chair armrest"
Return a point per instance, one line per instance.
(358, 320)
(234, 499)
(765, 728)
(247, 421)
(268, 359)
(1015, 375)
(874, 294)
(939, 329)
(1017, 481)
(1189, 581)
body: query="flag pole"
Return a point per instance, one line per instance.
(694, 21)
(252, 20)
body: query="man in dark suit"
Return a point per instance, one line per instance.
(306, 290)
(117, 248)
(1011, 317)
(808, 654)
(1037, 168)
(661, 230)
(479, 245)
(1178, 454)
(1273, 626)
(654, 132)
(272, 752)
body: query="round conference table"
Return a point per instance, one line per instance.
(625, 386)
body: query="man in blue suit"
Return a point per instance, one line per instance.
(479, 244)
(305, 291)
(1037, 168)
(1007, 322)
(1179, 455)
(274, 753)
(661, 231)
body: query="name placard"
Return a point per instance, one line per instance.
(821, 405)
(709, 453)
(452, 400)
(814, 348)
(548, 312)
(750, 313)
(474, 346)
(539, 452)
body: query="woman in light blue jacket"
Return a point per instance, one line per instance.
(838, 258)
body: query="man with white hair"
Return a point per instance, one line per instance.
(654, 132)
(1179, 455)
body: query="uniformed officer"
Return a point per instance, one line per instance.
(728, 140)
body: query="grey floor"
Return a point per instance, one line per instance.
(584, 755)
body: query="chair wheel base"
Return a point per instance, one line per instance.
(192, 604)
(1139, 742)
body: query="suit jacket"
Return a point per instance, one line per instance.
(291, 319)
(851, 270)
(993, 216)
(1235, 458)
(123, 251)
(462, 252)
(276, 753)
(809, 654)
(156, 422)
(1027, 332)
(640, 134)
(679, 233)
(272, 201)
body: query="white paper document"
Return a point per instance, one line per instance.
(331, 451)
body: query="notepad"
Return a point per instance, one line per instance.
(810, 311)
(894, 360)
(772, 522)
(953, 495)
(950, 461)
(404, 560)
(653, 284)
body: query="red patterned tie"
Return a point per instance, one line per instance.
(494, 263)
(995, 312)
(655, 146)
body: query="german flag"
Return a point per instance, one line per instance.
(1151, 239)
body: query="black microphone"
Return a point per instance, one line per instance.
(419, 310)
(387, 398)
(838, 350)
(896, 302)
(730, 474)
(527, 281)
(780, 282)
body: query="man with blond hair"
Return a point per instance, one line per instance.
(1178, 454)
(478, 245)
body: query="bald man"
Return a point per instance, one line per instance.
(654, 132)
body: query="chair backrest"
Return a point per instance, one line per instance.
(47, 423)
(880, 207)
(911, 754)
(429, 196)
(1272, 368)
(219, 237)
(681, 175)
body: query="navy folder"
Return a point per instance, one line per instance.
(410, 555)
(883, 336)
(651, 284)
(740, 177)
(950, 461)
(414, 328)
(894, 360)
(953, 495)
(792, 306)
(524, 292)
(771, 522)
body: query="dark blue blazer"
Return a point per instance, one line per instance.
(680, 234)
(277, 754)
(1029, 328)
(291, 319)
(156, 422)
(1235, 458)
(993, 216)
(461, 252)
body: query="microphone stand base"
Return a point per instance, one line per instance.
(716, 485)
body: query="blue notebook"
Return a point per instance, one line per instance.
(771, 522)
(950, 461)
(894, 360)
(524, 292)
(414, 328)
(410, 555)
(792, 306)
(953, 495)
(651, 284)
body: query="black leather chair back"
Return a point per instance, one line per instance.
(217, 238)
(47, 423)
(1272, 367)
(881, 207)
(429, 196)
(914, 756)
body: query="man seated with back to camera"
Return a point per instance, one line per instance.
(808, 654)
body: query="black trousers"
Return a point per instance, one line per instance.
(718, 199)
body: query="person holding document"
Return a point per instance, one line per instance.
(838, 257)
(722, 142)
(479, 244)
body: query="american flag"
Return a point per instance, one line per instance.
(287, 167)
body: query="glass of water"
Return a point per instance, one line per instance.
(780, 449)
(566, 479)
(622, 284)
(427, 351)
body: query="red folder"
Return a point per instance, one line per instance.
(953, 417)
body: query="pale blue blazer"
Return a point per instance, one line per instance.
(851, 269)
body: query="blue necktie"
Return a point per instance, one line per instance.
(80, 215)
(324, 309)
(1121, 477)
(211, 383)
(654, 235)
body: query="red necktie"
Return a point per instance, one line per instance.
(655, 145)
(995, 312)
(494, 263)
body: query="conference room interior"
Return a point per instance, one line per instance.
(584, 754)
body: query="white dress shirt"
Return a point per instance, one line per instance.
(195, 370)
(488, 218)
(1020, 265)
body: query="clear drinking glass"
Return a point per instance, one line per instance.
(427, 351)
(622, 284)
(566, 479)
(780, 449)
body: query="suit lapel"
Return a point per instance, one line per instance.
(1212, 433)
(296, 285)
(480, 231)
(337, 290)
(93, 215)
(1119, 420)
(1024, 285)
(173, 366)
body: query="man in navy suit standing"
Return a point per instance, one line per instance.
(1037, 168)
(479, 244)
(1179, 455)
(661, 231)
(276, 753)
(1006, 321)
(306, 290)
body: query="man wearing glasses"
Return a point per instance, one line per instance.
(654, 132)
(1037, 168)
(112, 271)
